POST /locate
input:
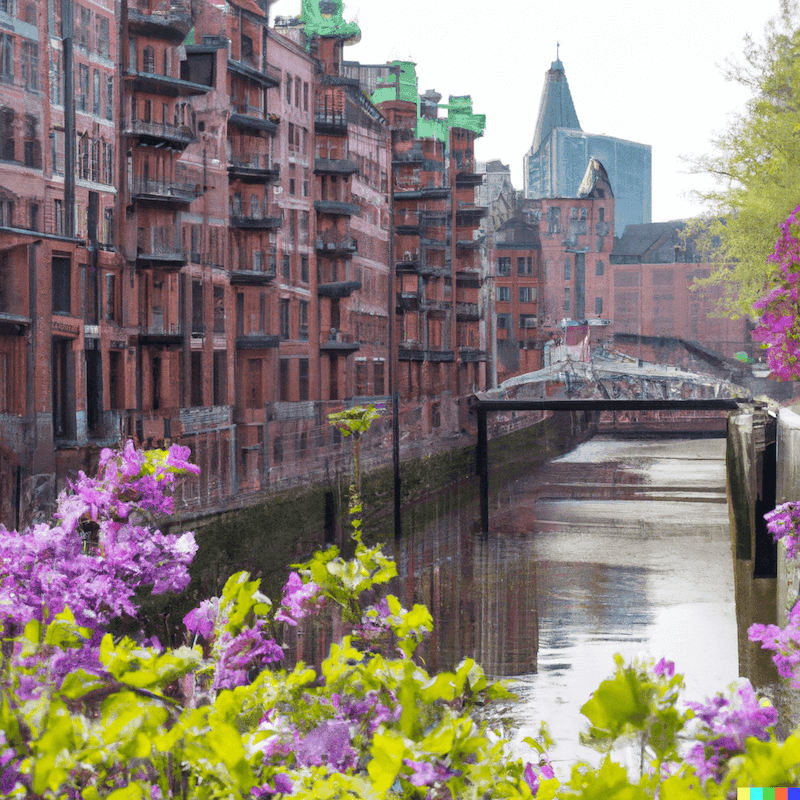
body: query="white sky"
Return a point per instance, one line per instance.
(646, 71)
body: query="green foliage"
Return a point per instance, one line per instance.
(756, 164)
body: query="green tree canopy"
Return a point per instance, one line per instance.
(756, 163)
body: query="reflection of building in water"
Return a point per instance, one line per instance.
(481, 594)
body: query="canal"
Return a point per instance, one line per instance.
(620, 546)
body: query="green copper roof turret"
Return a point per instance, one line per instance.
(324, 18)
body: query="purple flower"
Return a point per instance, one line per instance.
(299, 600)
(328, 743)
(665, 666)
(201, 620)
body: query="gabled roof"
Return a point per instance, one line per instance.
(556, 109)
(595, 182)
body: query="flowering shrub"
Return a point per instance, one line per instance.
(84, 715)
(779, 325)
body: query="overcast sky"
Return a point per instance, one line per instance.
(650, 72)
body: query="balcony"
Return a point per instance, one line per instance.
(336, 207)
(436, 306)
(338, 288)
(252, 118)
(171, 23)
(156, 336)
(167, 192)
(468, 180)
(255, 169)
(430, 193)
(468, 278)
(164, 84)
(13, 324)
(334, 166)
(263, 73)
(158, 133)
(408, 301)
(406, 224)
(166, 260)
(467, 312)
(343, 247)
(259, 341)
(331, 124)
(340, 342)
(413, 351)
(255, 223)
(468, 244)
(252, 277)
(471, 354)
(469, 215)
(412, 156)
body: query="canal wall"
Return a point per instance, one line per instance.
(287, 527)
(787, 488)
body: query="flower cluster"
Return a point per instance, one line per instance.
(784, 641)
(779, 325)
(723, 727)
(783, 522)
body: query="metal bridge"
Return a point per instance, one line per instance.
(484, 407)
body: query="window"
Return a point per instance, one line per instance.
(527, 321)
(96, 95)
(302, 378)
(523, 267)
(288, 90)
(115, 379)
(566, 299)
(62, 285)
(83, 30)
(111, 297)
(504, 265)
(7, 134)
(197, 308)
(197, 378)
(283, 379)
(527, 294)
(284, 318)
(58, 215)
(553, 220)
(601, 214)
(56, 77)
(220, 378)
(303, 333)
(378, 376)
(219, 309)
(305, 96)
(291, 186)
(254, 397)
(504, 294)
(286, 267)
(262, 312)
(6, 58)
(361, 377)
(102, 36)
(297, 84)
(108, 226)
(29, 52)
(6, 213)
(108, 163)
(33, 145)
(567, 269)
(83, 87)
(109, 97)
(304, 269)
(599, 268)
(149, 59)
(598, 305)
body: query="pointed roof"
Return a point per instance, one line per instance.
(556, 109)
(596, 178)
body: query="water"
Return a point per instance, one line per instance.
(617, 547)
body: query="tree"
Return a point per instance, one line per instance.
(756, 164)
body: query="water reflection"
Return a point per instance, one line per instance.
(560, 585)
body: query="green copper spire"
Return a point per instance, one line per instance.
(459, 108)
(324, 18)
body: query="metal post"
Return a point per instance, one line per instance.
(482, 466)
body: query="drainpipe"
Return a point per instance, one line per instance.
(67, 27)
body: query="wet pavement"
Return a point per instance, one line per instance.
(620, 546)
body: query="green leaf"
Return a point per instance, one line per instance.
(388, 749)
